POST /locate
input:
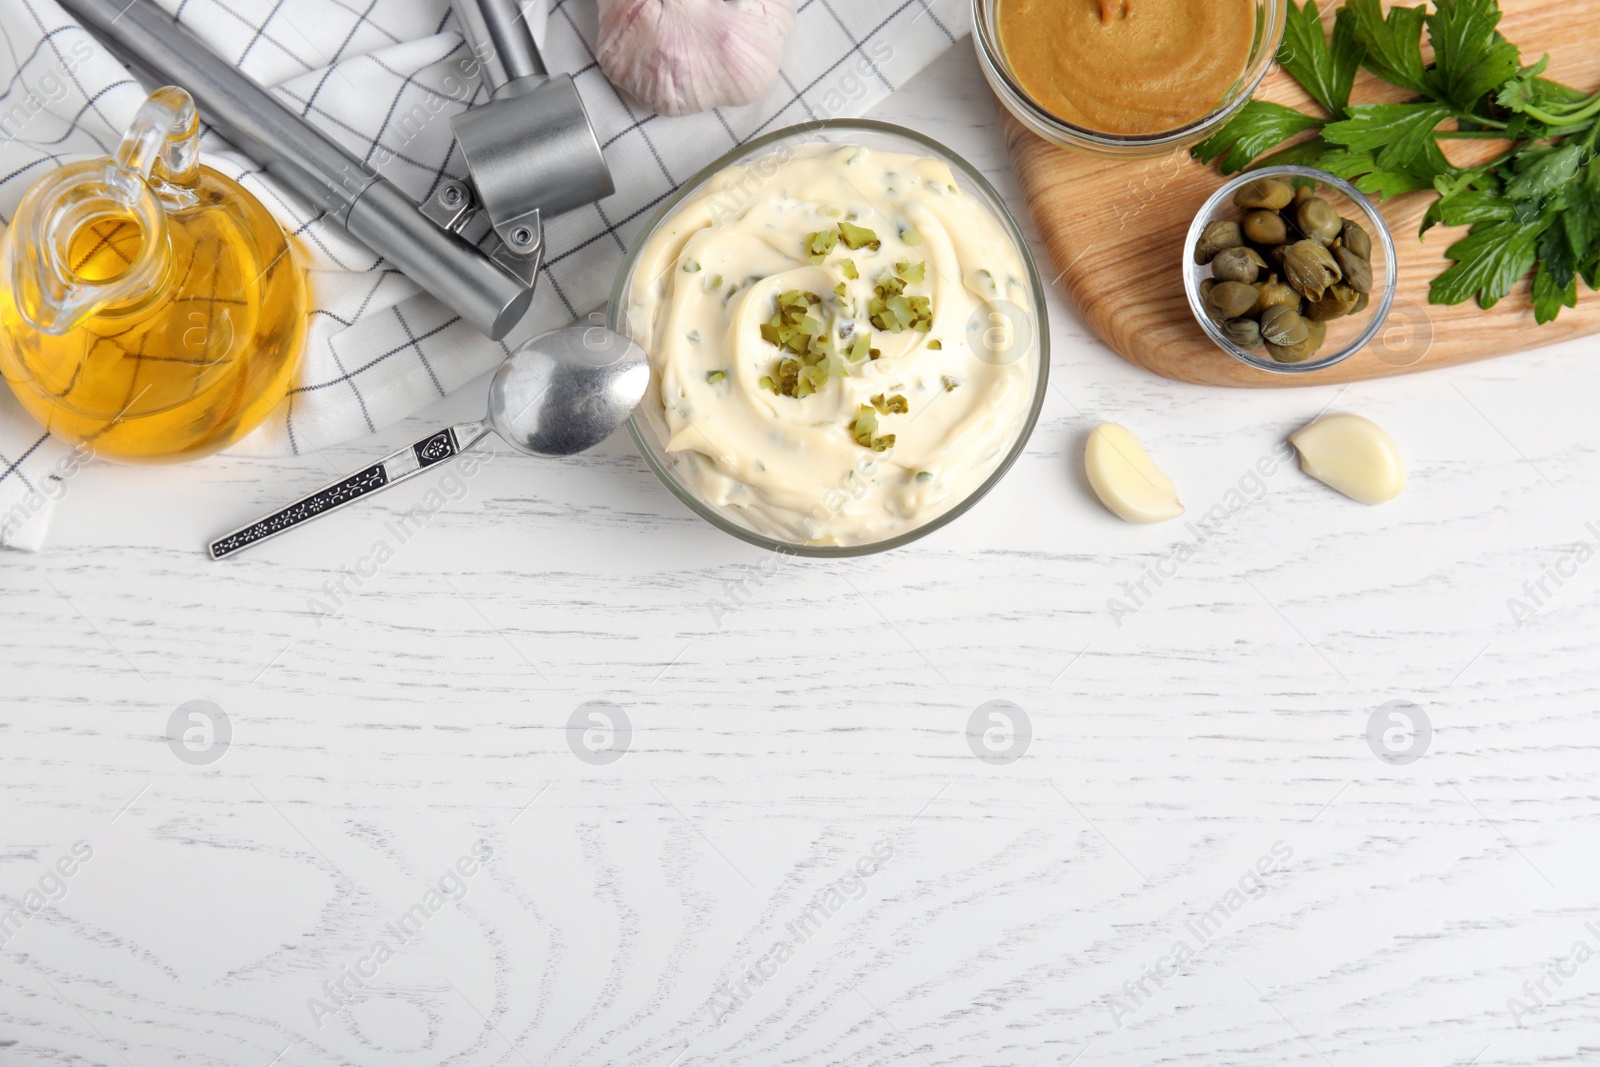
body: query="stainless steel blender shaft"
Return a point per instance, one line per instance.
(487, 296)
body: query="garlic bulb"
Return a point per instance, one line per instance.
(681, 56)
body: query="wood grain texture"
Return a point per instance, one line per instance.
(773, 746)
(1115, 232)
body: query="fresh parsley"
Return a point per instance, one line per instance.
(1534, 208)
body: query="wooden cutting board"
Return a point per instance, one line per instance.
(1115, 232)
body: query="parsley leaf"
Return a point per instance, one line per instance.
(1393, 45)
(1549, 298)
(1305, 154)
(1362, 168)
(1580, 223)
(1546, 172)
(1470, 59)
(1489, 262)
(1400, 134)
(1327, 73)
(1556, 285)
(1468, 206)
(1258, 126)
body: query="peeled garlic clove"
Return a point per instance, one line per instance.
(1353, 455)
(682, 56)
(1126, 479)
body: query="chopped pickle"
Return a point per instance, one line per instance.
(849, 268)
(840, 291)
(715, 376)
(865, 427)
(911, 237)
(690, 267)
(856, 237)
(894, 405)
(924, 476)
(900, 308)
(766, 382)
(815, 358)
(819, 244)
(935, 345)
(950, 383)
(890, 309)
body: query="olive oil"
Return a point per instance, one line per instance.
(149, 332)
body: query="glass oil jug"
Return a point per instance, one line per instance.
(150, 308)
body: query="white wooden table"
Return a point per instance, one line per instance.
(1021, 905)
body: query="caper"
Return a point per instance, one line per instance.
(1302, 193)
(1266, 193)
(1265, 228)
(1362, 300)
(1206, 285)
(1274, 256)
(1357, 271)
(1215, 237)
(1336, 303)
(1318, 221)
(1271, 293)
(1283, 326)
(1246, 333)
(1310, 269)
(1230, 300)
(1353, 237)
(1316, 335)
(1238, 265)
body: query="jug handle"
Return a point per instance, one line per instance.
(153, 170)
(162, 146)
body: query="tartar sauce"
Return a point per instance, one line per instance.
(841, 339)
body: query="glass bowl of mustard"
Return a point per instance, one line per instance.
(1346, 333)
(1126, 79)
(983, 361)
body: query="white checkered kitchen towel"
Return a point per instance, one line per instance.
(362, 71)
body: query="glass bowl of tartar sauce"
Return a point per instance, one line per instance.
(847, 336)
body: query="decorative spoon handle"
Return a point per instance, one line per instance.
(390, 470)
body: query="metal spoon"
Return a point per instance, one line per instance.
(559, 394)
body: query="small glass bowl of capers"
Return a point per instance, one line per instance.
(1290, 269)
